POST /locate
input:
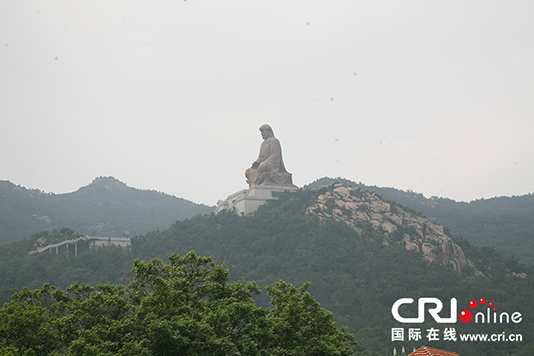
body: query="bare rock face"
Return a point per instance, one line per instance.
(365, 212)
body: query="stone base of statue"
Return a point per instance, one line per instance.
(246, 201)
(268, 178)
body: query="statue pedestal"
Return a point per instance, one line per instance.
(246, 201)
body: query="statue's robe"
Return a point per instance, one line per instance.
(271, 169)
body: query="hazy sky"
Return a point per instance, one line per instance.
(433, 96)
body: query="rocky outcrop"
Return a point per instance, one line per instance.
(369, 215)
(109, 183)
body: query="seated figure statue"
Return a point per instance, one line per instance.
(269, 168)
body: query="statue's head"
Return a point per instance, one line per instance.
(266, 131)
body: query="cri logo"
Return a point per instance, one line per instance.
(465, 315)
(421, 310)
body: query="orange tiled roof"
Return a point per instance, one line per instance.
(430, 351)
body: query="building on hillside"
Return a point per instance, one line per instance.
(430, 351)
(124, 242)
(248, 201)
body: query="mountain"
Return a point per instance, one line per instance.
(504, 223)
(106, 207)
(360, 252)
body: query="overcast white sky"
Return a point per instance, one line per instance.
(433, 96)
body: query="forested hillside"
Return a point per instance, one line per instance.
(106, 207)
(504, 223)
(356, 276)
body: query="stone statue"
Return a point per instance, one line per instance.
(269, 168)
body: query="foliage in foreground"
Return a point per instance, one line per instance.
(186, 307)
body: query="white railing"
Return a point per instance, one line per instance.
(98, 241)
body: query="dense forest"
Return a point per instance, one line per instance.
(106, 207)
(185, 307)
(504, 223)
(357, 278)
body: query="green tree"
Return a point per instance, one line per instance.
(184, 307)
(301, 327)
(26, 323)
(187, 307)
